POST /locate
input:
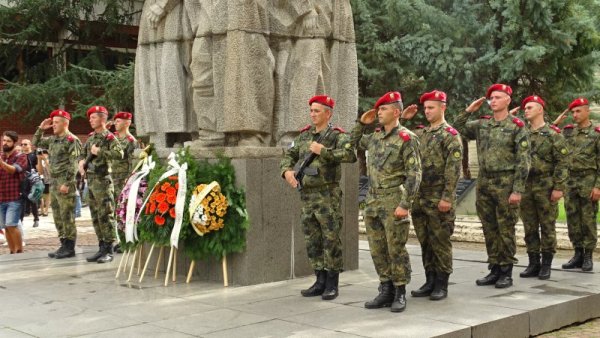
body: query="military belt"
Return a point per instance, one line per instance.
(324, 187)
(580, 173)
(497, 174)
(384, 191)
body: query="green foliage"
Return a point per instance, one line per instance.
(547, 47)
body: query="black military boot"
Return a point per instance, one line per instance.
(399, 303)
(331, 286)
(60, 249)
(533, 269)
(94, 257)
(546, 265)
(318, 287)
(107, 254)
(384, 298)
(491, 278)
(576, 261)
(69, 250)
(505, 279)
(425, 289)
(588, 263)
(440, 289)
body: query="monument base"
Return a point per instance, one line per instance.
(275, 247)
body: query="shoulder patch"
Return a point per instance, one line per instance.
(377, 129)
(307, 127)
(518, 122)
(597, 129)
(485, 117)
(555, 128)
(70, 138)
(568, 126)
(130, 138)
(90, 134)
(452, 131)
(404, 135)
(110, 136)
(339, 129)
(420, 126)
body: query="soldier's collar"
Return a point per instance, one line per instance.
(436, 128)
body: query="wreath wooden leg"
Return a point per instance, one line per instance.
(169, 266)
(133, 260)
(147, 261)
(190, 272)
(175, 266)
(140, 258)
(158, 261)
(225, 278)
(120, 265)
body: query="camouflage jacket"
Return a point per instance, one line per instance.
(393, 161)
(110, 149)
(123, 167)
(337, 150)
(584, 144)
(63, 154)
(549, 155)
(441, 159)
(502, 146)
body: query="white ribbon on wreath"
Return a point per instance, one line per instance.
(131, 234)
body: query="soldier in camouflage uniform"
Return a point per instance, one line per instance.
(122, 168)
(100, 149)
(544, 188)
(63, 151)
(394, 168)
(320, 194)
(504, 161)
(583, 186)
(433, 211)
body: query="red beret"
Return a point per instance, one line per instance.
(123, 115)
(97, 109)
(582, 101)
(498, 87)
(388, 98)
(61, 113)
(533, 98)
(322, 99)
(435, 95)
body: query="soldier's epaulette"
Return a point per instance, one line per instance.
(420, 126)
(378, 129)
(307, 127)
(92, 133)
(555, 128)
(339, 129)
(568, 126)
(404, 136)
(130, 138)
(597, 129)
(452, 131)
(70, 138)
(485, 117)
(518, 122)
(110, 136)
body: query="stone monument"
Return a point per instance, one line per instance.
(234, 77)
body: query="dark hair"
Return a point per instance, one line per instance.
(12, 134)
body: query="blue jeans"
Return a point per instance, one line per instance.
(77, 206)
(10, 213)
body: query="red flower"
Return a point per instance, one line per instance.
(160, 197)
(164, 186)
(172, 199)
(159, 220)
(172, 212)
(176, 185)
(171, 191)
(163, 207)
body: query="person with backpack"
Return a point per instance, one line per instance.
(29, 207)
(13, 165)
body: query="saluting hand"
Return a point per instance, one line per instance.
(473, 107)
(46, 124)
(409, 112)
(290, 177)
(514, 111)
(368, 117)
(561, 118)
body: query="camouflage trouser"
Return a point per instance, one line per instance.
(433, 229)
(498, 218)
(119, 182)
(322, 223)
(387, 236)
(63, 211)
(539, 214)
(581, 211)
(102, 207)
